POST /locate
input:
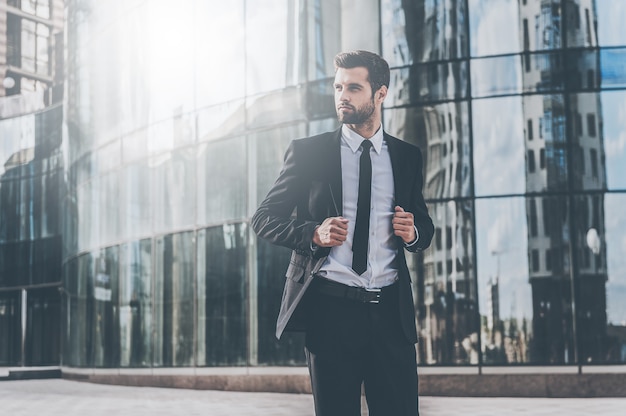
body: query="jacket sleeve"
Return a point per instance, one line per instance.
(422, 220)
(274, 219)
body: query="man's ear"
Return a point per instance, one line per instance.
(381, 93)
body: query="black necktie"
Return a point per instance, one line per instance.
(362, 225)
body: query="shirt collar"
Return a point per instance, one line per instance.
(354, 139)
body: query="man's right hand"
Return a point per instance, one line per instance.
(332, 232)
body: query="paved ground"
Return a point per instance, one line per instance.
(71, 398)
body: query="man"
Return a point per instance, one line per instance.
(348, 203)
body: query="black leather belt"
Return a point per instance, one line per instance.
(359, 294)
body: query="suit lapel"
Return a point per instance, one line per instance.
(334, 172)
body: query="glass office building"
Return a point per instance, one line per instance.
(174, 122)
(31, 181)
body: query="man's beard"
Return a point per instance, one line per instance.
(359, 116)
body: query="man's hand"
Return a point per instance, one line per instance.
(332, 232)
(403, 225)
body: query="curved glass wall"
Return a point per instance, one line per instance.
(177, 117)
(176, 126)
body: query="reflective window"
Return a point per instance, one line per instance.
(505, 294)
(173, 300)
(135, 310)
(359, 25)
(136, 201)
(427, 83)
(15, 152)
(167, 48)
(269, 109)
(43, 327)
(613, 132)
(222, 180)
(171, 133)
(525, 288)
(8, 275)
(221, 121)
(222, 296)
(272, 35)
(82, 312)
(104, 96)
(447, 301)
(614, 249)
(70, 309)
(550, 279)
(269, 147)
(10, 328)
(591, 299)
(442, 133)
(88, 214)
(84, 168)
(587, 121)
(160, 138)
(128, 51)
(414, 32)
(541, 25)
(324, 36)
(39, 8)
(548, 116)
(173, 186)
(320, 99)
(45, 260)
(498, 146)
(323, 125)
(611, 15)
(545, 72)
(28, 45)
(219, 60)
(496, 76)
(110, 208)
(105, 328)
(490, 17)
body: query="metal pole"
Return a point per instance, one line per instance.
(23, 322)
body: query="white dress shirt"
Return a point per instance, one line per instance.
(382, 245)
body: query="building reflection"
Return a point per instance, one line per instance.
(564, 130)
(425, 33)
(563, 152)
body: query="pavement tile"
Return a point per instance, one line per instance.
(71, 398)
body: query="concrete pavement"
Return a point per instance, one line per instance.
(71, 398)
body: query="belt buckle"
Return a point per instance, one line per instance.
(377, 298)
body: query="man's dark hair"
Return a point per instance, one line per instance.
(377, 67)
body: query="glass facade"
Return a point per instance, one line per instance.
(175, 121)
(31, 185)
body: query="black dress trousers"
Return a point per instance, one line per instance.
(350, 343)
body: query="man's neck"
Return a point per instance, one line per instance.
(366, 129)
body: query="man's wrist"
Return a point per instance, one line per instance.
(313, 245)
(417, 237)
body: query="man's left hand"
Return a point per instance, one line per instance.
(403, 225)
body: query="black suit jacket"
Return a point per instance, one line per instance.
(309, 190)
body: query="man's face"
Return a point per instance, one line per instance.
(354, 101)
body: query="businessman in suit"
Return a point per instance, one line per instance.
(349, 203)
